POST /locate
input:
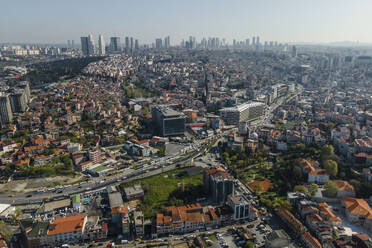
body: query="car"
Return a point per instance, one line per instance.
(11, 195)
(29, 195)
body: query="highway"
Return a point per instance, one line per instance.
(128, 174)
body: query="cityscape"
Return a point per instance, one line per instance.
(185, 140)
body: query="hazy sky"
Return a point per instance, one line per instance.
(56, 21)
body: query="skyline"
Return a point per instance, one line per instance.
(43, 22)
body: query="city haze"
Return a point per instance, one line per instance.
(284, 21)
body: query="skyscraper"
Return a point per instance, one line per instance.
(126, 44)
(158, 43)
(253, 41)
(257, 41)
(247, 42)
(101, 45)
(131, 44)
(294, 51)
(68, 44)
(167, 42)
(87, 45)
(72, 44)
(136, 44)
(115, 46)
(6, 115)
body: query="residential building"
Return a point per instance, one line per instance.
(344, 188)
(357, 211)
(18, 101)
(218, 184)
(134, 192)
(6, 115)
(67, 229)
(101, 45)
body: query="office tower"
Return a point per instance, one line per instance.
(247, 42)
(87, 45)
(126, 44)
(294, 51)
(167, 121)
(243, 112)
(115, 46)
(18, 101)
(158, 43)
(218, 184)
(101, 45)
(68, 44)
(192, 42)
(6, 115)
(257, 41)
(234, 43)
(84, 45)
(91, 45)
(253, 41)
(131, 44)
(72, 44)
(167, 42)
(136, 44)
(217, 42)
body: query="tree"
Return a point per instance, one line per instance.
(330, 189)
(300, 189)
(327, 151)
(249, 244)
(297, 172)
(331, 167)
(312, 188)
(5, 232)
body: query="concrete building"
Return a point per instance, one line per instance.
(18, 101)
(218, 184)
(101, 45)
(6, 115)
(242, 208)
(241, 113)
(87, 45)
(167, 121)
(115, 46)
(67, 229)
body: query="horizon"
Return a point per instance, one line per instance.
(287, 21)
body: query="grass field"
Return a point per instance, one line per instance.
(168, 189)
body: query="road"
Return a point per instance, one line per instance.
(128, 174)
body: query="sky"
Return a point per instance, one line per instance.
(317, 21)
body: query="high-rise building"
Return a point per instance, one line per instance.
(192, 42)
(136, 44)
(257, 41)
(167, 42)
(87, 45)
(218, 184)
(25, 85)
(127, 44)
(294, 51)
(247, 42)
(158, 43)
(91, 46)
(253, 41)
(68, 44)
(131, 44)
(6, 115)
(18, 101)
(72, 44)
(167, 121)
(101, 45)
(115, 46)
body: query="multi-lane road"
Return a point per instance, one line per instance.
(128, 174)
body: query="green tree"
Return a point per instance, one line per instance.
(297, 172)
(330, 189)
(327, 151)
(5, 232)
(312, 188)
(300, 189)
(249, 244)
(331, 167)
